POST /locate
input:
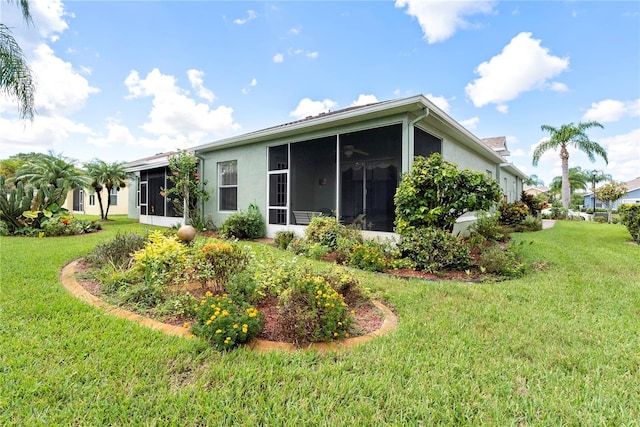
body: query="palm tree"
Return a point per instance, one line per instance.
(578, 180)
(16, 79)
(562, 137)
(109, 176)
(533, 181)
(53, 175)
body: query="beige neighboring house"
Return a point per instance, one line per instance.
(85, 201)
(534, 191)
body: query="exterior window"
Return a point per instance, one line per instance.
(113, 197)
(228, 185)
(278, 184)
(92, 199)
(425, 144)
(489, 174)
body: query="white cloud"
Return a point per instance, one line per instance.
(522, 66)
(195, 77)
(306, 107)
(121, 137)
(295, 31)
(312, 55)
(254, 82)
(471, 123)
(440, 102)
(439, 19)
(558, 87)
(251, 15)
(364, 100)
(60, 88)
(173, 112)
(623, 152)
(278, 58)
(611, 110)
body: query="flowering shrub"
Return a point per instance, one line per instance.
(226, 323)
(313, 311)
(512, 213)
(244, 225)
(162, 255)
(368, 256)
(217, 261)
(272, 277)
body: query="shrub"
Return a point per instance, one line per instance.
(534, 204)
(283, 239)
(503, 261)
(630, 217)
(530, 223)
(325, 230)
(433, 249)
(313, 311)
(435, 194)
(162, 257)
(347, 285)
(117, 251)
(488, 227)
(369, 256)
(272, 277)
(4, 228)
(218, 261)
(226, 323)
(113, 278)
(512, 213)
(244, 225)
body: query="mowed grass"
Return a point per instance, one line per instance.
(558, 347)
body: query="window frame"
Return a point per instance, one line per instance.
(222, 186)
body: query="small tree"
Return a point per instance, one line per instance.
(187, 188)
(435, 194)
(609, 193)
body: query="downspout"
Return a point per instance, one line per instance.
(411, 147)
(201, 180)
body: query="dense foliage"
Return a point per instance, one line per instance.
(609, 193)
(186, 189)
(244, 225)
(435, 194)
(631, 219)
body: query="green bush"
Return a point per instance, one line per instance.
(217, 261)
(163, 257)
(324, 230)
(312, 311)
(369, 256)
(433, 249)
(488, 227)
(226, 323)
(512, 213)
(4, 228)
(630, 217)
(503, 261)
(117, 251)
(533, 203)
(530, 223)
(435, 194)
(244, 225)
(283, 239)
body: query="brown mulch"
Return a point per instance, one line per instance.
(368, 317)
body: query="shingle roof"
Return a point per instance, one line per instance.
(634, 184)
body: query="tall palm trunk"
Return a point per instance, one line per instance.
(566, 185)
(106, 213)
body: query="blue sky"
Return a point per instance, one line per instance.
(122, 80)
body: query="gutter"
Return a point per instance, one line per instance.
(201, 179)
(411, 147)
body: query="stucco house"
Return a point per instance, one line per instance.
(632, 196)
(85, 201)
(347, 163)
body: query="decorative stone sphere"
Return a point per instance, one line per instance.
(186, 233)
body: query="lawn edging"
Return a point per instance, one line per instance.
(68, 280)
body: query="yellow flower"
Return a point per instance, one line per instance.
(218, 331)
(346, 334)
(339, 323)
(208, 322)
(235, 326)
(335, 334)
(186, 325)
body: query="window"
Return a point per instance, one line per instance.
(113, 196)
(489, 174)
(425, 144)
(278, 184)
(228, 185)
(92, 199)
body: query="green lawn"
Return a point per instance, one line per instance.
(558, 347)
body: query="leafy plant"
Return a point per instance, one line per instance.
(244, 225)
(117, 251)
(324, 230)
(162, 256)
(512, 213)
(283, 238)
(434, 249)
(502, 260)
(225, 322)
(369, 256)
(313, 311)
(187, 188)
(435, 194)
(489, 228)
(630, 217)
(217, 261)
(609, 193)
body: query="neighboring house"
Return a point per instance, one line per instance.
(347, 162)
(85, 201)
(632, 196)
(534, 191)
